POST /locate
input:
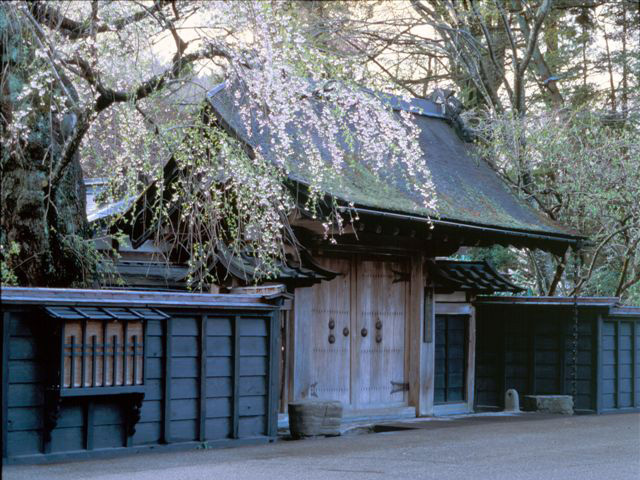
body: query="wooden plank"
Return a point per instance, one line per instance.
(220, 387)
(4, 382)
(301, 343)
(166, 418)
(597, 365)
(236, 376)
(218, 428)
(202, 397)
(219, 408)
(256, 385)
(274, 377)
(252, 426)
(255, 405)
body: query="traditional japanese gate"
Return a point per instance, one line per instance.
(357, 326)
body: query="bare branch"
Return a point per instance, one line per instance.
(51, 17)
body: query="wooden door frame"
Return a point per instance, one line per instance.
(460, 304)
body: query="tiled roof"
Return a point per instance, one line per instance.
(477, 277)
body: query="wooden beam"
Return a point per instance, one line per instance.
(4, 358)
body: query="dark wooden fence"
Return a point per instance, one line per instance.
(209, 372)
(528, 343)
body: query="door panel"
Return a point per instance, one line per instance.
(331, 362)
(451, 358)
(379, 334)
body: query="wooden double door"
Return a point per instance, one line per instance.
(358, 329)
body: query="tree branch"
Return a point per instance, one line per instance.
(51, 17)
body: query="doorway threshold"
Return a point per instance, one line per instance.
(353, 416)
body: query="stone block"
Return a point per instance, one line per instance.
(511, 401)
(312, 418)
(562, 404)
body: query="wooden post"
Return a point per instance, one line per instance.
(202, 416)
(4, 381)
(166, 416)
(618, 365)
(502, 358)
(274, 377)
(471, 359)
(562, 361)
(634, 365)
(236, 376)
(421, 346)
(532, 357)
(598, 365)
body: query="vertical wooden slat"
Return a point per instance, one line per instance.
(125, 351)
(618, 358)
(4, 381)
(104, 353)
(274, 362)
(72, 367)
(203, 379)
(166, 416)
(134, 360)
(94, 369)
(114, 373)
(83, 353)
(145, 342)
(236, 376)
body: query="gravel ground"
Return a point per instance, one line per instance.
(529, 446)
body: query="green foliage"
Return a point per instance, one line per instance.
(8, 255)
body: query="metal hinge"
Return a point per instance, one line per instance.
(401, 277)
(399, 387)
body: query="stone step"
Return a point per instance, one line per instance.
(562, 404)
